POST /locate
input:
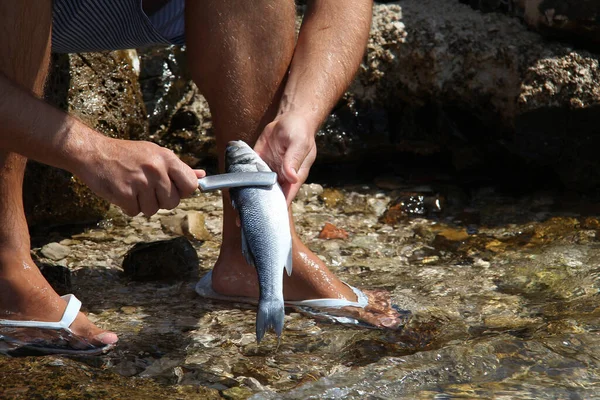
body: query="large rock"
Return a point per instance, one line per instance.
(102, 90)
(178, 114)
(576, 20)
(447, 78)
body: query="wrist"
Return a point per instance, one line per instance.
(80, 147)
(311, 119)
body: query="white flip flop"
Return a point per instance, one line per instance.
(10, 343)
(312, 307)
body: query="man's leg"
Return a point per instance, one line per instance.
(239, 53)
(24, 293)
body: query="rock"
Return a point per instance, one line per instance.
(55, 251)
(194, 227)
(191, 224)
(164, 81)
(164, 260)
(178, 114)
(355, 203)
(309, 191)
(101, 89)
(172, 224)
(412, 204)
(564, 18)
(479, 87)
(254, 384)
(568, 19)
(237, 393)
(331, 231)
(331, 197)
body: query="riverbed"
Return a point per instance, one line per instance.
(501, 286)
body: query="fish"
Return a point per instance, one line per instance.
(266, 235)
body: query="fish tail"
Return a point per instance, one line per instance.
(270, 314)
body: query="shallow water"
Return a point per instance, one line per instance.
(503, 291)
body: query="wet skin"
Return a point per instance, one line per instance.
(26, 295)
(311, 279)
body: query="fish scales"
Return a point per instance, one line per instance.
(266, 237)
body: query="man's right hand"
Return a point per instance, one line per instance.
(136, 176)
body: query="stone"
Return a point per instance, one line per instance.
(190, 224)
(101, 89)
(330, 231)
(194, 226)
(55, 251)
(164, 260)
(172, 224)
(237, 393)
(309, 191)
(178, 114)
(450, 81)
(572, 20)
(331, 197)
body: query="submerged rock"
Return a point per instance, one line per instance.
(331, 231)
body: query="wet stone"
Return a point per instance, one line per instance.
(55, 251)
(237, 393)
(168, 260)
(309, 191)
(194, 226)
(331, 197)
(412, 204)
(331, 231)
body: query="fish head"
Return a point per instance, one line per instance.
(239, 157)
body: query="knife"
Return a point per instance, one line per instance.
(237, 179)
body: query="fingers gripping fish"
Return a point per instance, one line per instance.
(266, 237)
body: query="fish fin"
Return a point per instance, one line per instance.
(289, 262)
(270, 314)
(246, 250)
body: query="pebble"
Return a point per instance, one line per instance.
(55, 251)
(330, 231)
(309, 191)
(194, 226)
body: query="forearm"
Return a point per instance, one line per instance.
(330, 47)
(31, 127)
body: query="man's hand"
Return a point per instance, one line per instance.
(137, 176)
(288, 146)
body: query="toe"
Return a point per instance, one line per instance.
(84, 328)
(107, 337)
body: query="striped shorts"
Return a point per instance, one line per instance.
(95, 25)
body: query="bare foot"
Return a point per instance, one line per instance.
(26, 295)
(310, 279)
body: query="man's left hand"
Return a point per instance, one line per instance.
(288, 146)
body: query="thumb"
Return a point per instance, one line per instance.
(292, 161)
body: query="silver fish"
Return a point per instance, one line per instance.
(266, 237)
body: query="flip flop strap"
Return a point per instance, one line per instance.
(69, 315)
(361, 301)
